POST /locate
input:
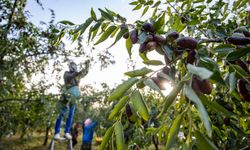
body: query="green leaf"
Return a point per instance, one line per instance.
(144, 11)
(84, 26)
(106, 15)
(137, 7)
(66, 22)
(119, 136)
(203, 142)
(215, 106)
(232, 82)
(129, 46)
(119, 36)
(153, 62)
(189, 92)
(200, 71)
(106, 138)
(143, 56)
(224, 49)
(139, 104)
(106, 34)
(142, 37)
(76, 35)
(157, 4)
(118, 107)
(114, 33)
(159, 23)
(168, 51)
(173, 132)
(149, 82)
(238, 53)
(240, 71)
(140, 72)
(93, 15)
(133, 3)
(122, 88)
(171, 97)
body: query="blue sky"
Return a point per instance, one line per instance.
(75, 10)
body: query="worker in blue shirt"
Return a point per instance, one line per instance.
(88, 132)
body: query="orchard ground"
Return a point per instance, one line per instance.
(36, 143)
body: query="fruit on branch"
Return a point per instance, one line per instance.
(236, 40)
(148, 27)
(124, 26)
(246, 33)
(150, 37)
(134, 36)
(226, 121)
(126, 35)
(187, 42)
(160, 39)
(201, 86)
(130, 114)
(191, 57)
(165, 70)
(172, 35)
(242, 88)
(242, 65)
(151, 45)
(142, 47)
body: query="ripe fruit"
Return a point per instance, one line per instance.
(165, 70)
(187, 42)
(244, 93)
(173, 35)
(226, 121)
(201, 86)
(124, 26)
(238, 40)
(148, 27)
(143, 47)
(246, 33)
(159, 39)
(151, 45)
(191, 57)
(129, 113)
(134, 36)
(150, 37)
(242, 65)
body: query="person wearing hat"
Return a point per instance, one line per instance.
(70, 95)
(88, 132)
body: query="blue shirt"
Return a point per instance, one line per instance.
(88, 133)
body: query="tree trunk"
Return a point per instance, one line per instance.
(46, 135)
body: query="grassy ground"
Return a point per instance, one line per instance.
(36, 143)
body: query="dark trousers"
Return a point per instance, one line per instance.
(86, 146)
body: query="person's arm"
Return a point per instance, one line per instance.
(85, 70)
(94, 123)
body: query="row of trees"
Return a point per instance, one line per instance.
(26, 50)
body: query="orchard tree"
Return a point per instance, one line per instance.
(25, 51)
(205, 45)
